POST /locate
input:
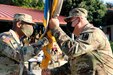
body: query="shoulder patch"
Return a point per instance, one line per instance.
(85, 36)
(6, 39)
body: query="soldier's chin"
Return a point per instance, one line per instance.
(27, 33)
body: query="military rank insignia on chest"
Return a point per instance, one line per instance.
(85, 36)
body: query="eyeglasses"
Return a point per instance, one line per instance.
(25, 23)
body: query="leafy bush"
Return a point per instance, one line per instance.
(37, 4)
(111, 43)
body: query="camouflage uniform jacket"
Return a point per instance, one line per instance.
(90, 53)
(13, 53)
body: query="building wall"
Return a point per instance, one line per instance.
(105, 29)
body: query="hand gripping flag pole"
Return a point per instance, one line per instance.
(52, 8)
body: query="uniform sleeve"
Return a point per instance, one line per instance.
(7, 51)
(22, 53)
(85, 43)
(62, 70)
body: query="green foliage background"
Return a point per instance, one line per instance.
(111, 43)
(36, 4)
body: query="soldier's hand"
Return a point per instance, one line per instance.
(54, 22)
(46, 72)
(42, 42)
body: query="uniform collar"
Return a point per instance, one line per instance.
(88, 28)
(14, 35)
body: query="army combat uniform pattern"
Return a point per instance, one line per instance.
(13, 53)
(89, 54)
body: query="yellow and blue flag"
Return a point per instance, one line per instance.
(52, 8)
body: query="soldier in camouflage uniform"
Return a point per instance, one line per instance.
(12, 52)
(90, 53)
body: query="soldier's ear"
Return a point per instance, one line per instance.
(19, 24)
(79, 18)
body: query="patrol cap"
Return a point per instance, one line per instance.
(24, 17)
(76, 12)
